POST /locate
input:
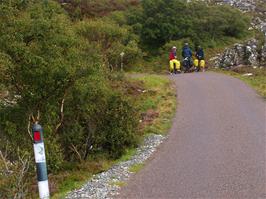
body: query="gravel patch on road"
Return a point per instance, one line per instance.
(106, 184)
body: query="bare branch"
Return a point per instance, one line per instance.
(62, 114)
(38, 116)
(23, 165)
(4, 160)
(35, 119)
(29, 123)
(74, 149)
(32, 118)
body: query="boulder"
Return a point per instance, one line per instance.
(263, 56)
(241, 54)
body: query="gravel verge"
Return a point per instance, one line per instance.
(106, 184)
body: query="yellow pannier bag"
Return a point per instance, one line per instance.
(196, 62)
(174, 63)
(202, 63)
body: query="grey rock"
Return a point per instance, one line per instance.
(243, 5)
(263, 55)
(249, 54)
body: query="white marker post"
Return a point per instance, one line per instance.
(122, 54)
(40, 160)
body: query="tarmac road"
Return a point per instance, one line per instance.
(216, 148)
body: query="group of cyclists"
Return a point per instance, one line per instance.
(188, 65)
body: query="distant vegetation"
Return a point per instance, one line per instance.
(152, 27)
(161, 24)
(161, 21)
(63, 61)
(80, 9)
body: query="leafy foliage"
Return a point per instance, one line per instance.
(111, 40)
(79, 9)
(60, 68)
(51, 69)
(161, 21)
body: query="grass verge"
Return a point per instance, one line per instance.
(75, 176)
(118, 183)
(155, 98)
(136, 168)
(157, 103)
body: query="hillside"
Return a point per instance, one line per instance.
(252, 52)
(63, 64)
(95, 8)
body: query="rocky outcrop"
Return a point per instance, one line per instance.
(259, 21)
(259, 24)
(244, 5)
(248, 53)
(263, 55)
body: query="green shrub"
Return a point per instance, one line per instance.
(52, 70)
(118, 126)
(160, 21)
(97, 121)
(111, 40)
(96, 8)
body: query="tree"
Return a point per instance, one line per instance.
(110, 39)
(159, 21)
(54, 71)
(164, 20)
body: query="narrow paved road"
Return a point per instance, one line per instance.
(216, 148)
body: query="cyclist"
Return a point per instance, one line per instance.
(174, 63)
(200, 62)
(187, 55)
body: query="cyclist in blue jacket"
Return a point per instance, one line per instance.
(200, 53)
(187, 55)
(186, 51)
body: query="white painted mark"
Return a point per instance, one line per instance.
(44, 189)
(39, 152)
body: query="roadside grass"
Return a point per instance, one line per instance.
(149, 92)
(118, 183)
(136, 168)
(127, 156)
(75, 176)
(160, 99)
(68, 180)
(257, 80)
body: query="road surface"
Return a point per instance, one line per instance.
(216, 148)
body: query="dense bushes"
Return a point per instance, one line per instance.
(160, 21)
(48, 68)
(111, 39)
(95, 8)
(97, 121)
(60, 69)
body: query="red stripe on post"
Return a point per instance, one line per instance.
(37, 136)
